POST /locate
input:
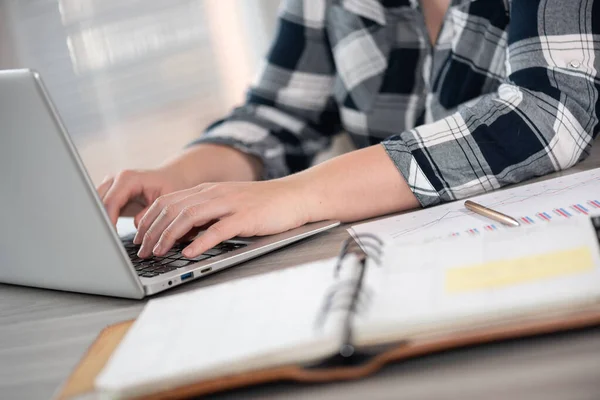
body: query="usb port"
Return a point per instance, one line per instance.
(206, 270)
(187, 276)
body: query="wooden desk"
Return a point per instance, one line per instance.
(44, 333)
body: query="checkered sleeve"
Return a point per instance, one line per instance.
(289, 114)
(543, 118)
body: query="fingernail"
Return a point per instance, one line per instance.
(136, 238)
(157, 251)
(142, 253)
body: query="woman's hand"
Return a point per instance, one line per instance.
(130, 192)
(358, 185)
(235, 209)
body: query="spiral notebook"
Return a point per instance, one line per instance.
(344, 318)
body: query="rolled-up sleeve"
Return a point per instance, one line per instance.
(544, 118)
(289, 114)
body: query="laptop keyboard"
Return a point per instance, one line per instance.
(154, 266)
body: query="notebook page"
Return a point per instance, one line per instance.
(256, 322)
(460, 280)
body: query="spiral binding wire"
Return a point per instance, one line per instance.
(366, 244)
(349, 294)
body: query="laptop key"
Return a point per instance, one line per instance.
(149, 274)
(179, 263)
(213, 252)
(147, 263)
(201, 257)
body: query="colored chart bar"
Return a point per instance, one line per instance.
(543, 216)
(579, 208)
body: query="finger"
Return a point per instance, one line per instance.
(191, 235)
(191, 216)
(157, 207)
(154, 210)
(123, 188)
(138, 217)
(153, 234)
(218, 232)
(104, 186)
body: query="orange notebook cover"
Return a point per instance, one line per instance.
(81, 380)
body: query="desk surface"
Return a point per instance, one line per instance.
(43, 334)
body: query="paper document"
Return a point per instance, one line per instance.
(567, 197)
(425, 286)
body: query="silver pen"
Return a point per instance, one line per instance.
(491, 214)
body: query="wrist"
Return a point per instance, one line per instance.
(308, 196)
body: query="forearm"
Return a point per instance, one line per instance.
(212, 163)
(358, 185)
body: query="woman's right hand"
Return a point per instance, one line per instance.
(131, 192)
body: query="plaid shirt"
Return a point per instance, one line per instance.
(508, 92)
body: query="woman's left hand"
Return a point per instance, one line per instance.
(236, 209)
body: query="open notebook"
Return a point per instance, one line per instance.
(345, 311)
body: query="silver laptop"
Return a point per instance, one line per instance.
(54, 232)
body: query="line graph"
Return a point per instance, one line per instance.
(570, 196)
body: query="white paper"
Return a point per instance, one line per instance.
(241, 325)
(408, 293)
(571, 196)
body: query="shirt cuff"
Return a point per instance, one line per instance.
(414, 176)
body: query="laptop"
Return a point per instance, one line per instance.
(54, 231)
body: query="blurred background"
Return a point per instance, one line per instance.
(136, 80)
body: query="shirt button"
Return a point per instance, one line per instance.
(575, 64)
